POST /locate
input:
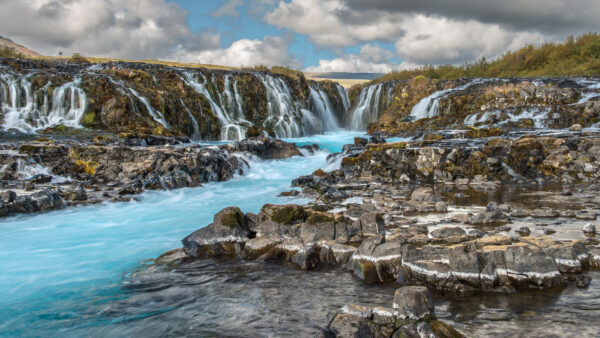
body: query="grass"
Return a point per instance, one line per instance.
(575, 57)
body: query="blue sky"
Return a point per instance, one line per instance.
(312, 35)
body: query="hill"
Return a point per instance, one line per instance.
(6, 43)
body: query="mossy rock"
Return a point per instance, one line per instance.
(289, 214)
(442, 329)
(319, 217)
(232, 219)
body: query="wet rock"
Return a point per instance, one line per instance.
(372, 223)
(488, 217)
(576, 127)
(265, 148)
(78, 194)
(544, 213)
(3, 209)
(223, 237)
(47, 200)
(423, 194)
(40, 179)
(441, 206)
(448, 232)
(570, 257)
(29, 186)
(290, 193)
(377, 261)
(585, 214)
(582, 281)
(413, 303)
(589, 228)
(8, 196)
(360, 141)
(524, 231)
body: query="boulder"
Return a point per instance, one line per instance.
(589, 228)
(423, 194)
(223, 237)
(413, 303)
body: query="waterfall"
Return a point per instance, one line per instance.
(231, 129)
(367, 110)
(343, 93)
(157, 116)
(321, 104)
(429, 107)
(21, 109)
(283, 114)
(196, 135)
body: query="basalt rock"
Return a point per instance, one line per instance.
(264, 147)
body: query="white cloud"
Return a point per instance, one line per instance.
(418, 38)
(271, 51)
(229, 8)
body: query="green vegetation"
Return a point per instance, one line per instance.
(6, 52)
(289, 214)
(78, 58)
(575, 57)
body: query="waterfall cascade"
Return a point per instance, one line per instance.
(429, 106)
(367, 109)
(30, 110)
(27, 106)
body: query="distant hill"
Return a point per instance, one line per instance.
(8, 43)
(341, 75)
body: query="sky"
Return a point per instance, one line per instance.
(312, 35)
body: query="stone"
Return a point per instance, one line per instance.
(585, 214)
(448, 232)
(441, 206)
(348, 325)
(423, 194)
(3, 209)
(524, 231)
(576, 127)
(413, 303)
(220, 238)
(589, 228)
(372, 223)
(360, 141)
(8, 196)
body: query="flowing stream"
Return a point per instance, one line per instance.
(61, 269)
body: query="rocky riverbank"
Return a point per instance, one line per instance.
(52, 174)
(498, 215)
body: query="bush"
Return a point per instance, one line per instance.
(78, 58)
(6, 52)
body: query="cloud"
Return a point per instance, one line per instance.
(546, 16)
(229, 8)
(420, 34)
(371, 59)
(129, 29)
(270, 51)
(137, 29)
(331, 24)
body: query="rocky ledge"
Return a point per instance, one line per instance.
(52, 174)
(411, 315)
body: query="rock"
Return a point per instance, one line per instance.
(583, 281)
(575, 127)
(488, 217)
(77, 195)
(47, 200)
(372, 224)
(8, 196)
(544, 213)
(221, 238)
(29, 186)
(264, 147)
(589, 228)
(3, 209)
(348, 325)
(377, 139)
(441, 206)
(413, 303)
(570, 257)
(423, 194)
(585, 214)
(360, 141)
(290, 193)
(524, 231)
(447, 232)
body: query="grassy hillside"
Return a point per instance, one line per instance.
(575, 57)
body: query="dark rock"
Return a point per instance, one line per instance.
(589, 228)
(413, 303)
(8, 196)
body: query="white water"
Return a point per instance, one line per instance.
(538, 115)
(367, 109)
(157, 116)
(320, 103)
(22, 111)
(429, 107)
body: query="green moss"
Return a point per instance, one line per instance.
(88, 119)
(319, 217)
(289, 214)
(442, 329)
(232, 219)
(253, 131)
